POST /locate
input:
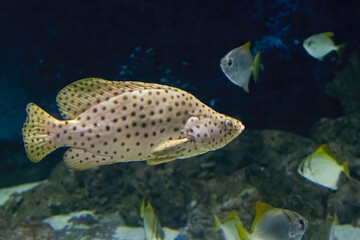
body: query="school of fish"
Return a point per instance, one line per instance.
(121, 121)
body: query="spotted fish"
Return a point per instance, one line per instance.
(122, 121)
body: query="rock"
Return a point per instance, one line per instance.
(259, 165)
(346, 85)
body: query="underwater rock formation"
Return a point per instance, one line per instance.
(346, 85)
(259, 165)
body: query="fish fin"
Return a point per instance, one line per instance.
(217, 223)
(169, 146)
(79, 96)
(157, 161)
(330, 223)
(145, 207)
(243, 234)
(256, 67)
(142, 208)
(325, 149)
(39, 137)
(246, 86)
(346, 169)
(260, 209)
(232, 215)
(79, 159)
(329, 34)
(340, 50)
(336, 219)
(246, 46)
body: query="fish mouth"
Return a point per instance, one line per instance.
(241, 127)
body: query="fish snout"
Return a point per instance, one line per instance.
(240, 127)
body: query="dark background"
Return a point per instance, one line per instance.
(45, 45)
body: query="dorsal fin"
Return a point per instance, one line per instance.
(260, 209)
(329, 34)
(79, 96)
(246, 46)
(217, 223)
(325, 150)
(232, 216)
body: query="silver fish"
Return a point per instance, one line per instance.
(275, 224)
(238, 65)
(319, 45)
(322, 168)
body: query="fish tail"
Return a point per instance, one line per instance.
(340, 49)
(39, 138)
(256, 67)
(346, 168)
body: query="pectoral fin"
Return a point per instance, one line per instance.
(169, 147)
(156, 161)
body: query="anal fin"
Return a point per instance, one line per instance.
(79, 159)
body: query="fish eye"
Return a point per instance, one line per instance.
(228, 124)
(230, 62)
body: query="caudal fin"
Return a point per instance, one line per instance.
(346, 169)
(256, 67)
(37, 133)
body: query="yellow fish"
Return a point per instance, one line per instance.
(110, 121)
(274, 224)
(229, 226)
(238, 64)
(152, 226)
(330, 223)
(321, 168)
(319, 45)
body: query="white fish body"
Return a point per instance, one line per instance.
(238, 65)
(275, 224)
(321, 168)
(109, 121)
(152, 226)
(229, 226)
(279, 224)
(319, 45)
